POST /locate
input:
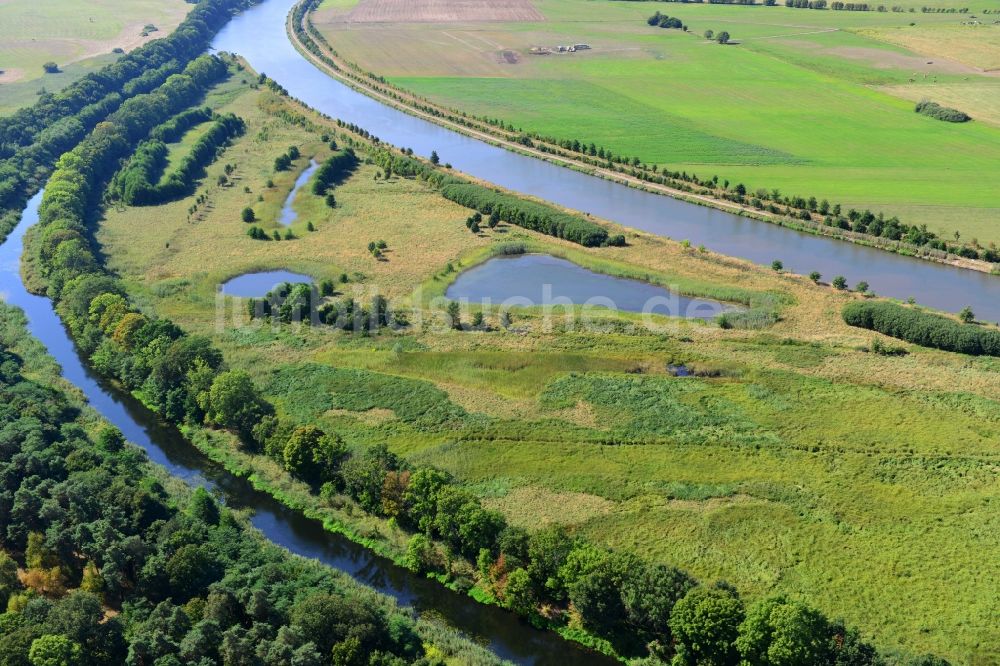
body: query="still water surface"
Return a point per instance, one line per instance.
(288, 214)
(256, 285)
(540, 279)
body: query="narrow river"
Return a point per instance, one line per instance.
(501, 631)
(259, 36)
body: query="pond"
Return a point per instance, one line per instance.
(256, 285)
(541, 279)
(288, 214)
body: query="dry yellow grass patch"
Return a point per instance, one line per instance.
(370, 417)
(534, 507)
(974, 45)
(980, 97)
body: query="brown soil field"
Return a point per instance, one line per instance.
(442, 11)
(884, 59)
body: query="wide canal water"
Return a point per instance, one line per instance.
(259, 36)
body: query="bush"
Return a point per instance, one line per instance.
(922, 328)
(935, 110)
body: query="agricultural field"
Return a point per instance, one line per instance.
(796, 462)
(814, 103)
(77, 36)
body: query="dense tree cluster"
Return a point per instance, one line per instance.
(139, 183)
(528, 214)
(935, 110)
(304, 303)
(335, 168)
(922, 328)
(116, 570)
(34, 137)
(663, 21)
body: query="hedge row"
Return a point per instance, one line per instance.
(136, 184)
(922, 328)
(527, 214)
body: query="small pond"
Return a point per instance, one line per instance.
(288, 214)
(256, 285)
(540, 279)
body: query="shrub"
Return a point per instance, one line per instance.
(922, 328)
(935, 110)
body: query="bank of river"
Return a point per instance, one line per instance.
(502, 631)
(259, 36)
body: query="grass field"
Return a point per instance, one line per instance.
(808, 467)
(815, 103)
(78, 36)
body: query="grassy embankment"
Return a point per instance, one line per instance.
(863, 484)
(78, 36)
(800, 104)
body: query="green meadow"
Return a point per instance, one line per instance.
(809, 102)
(796, 462)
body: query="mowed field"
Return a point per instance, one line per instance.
(814, 103)
(77, 35)
(864, 484)
(442, 11)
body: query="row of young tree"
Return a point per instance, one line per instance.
(923, 328)
(528, 214)
(32, 139)
(141, 181)
(497, 205)
(115, 569)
